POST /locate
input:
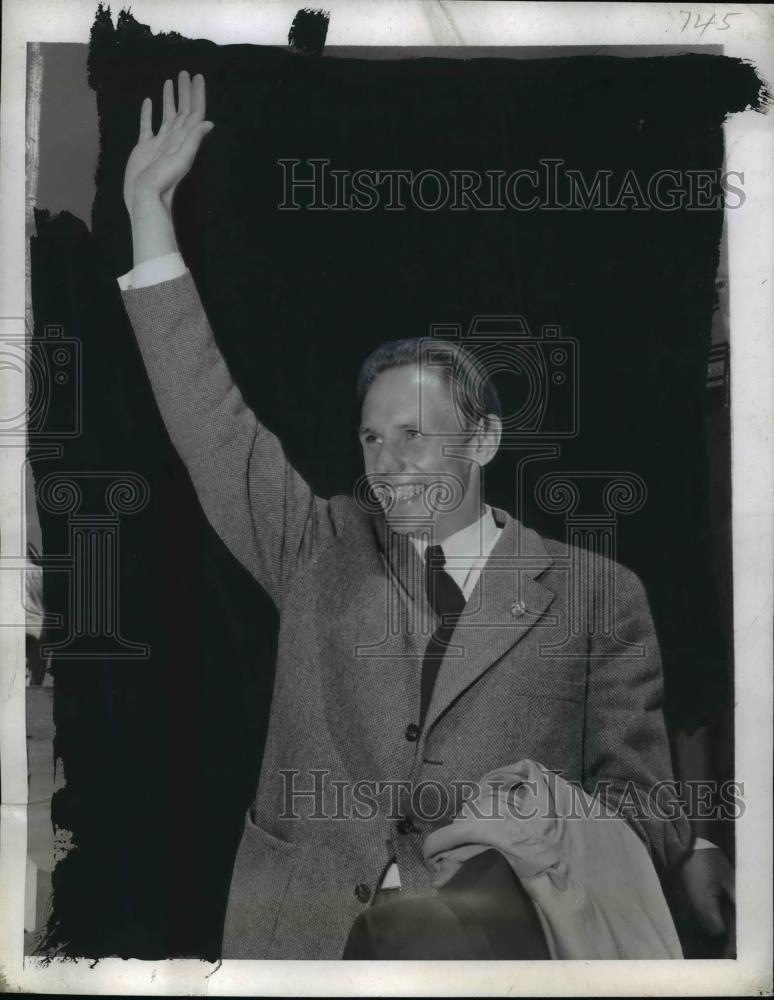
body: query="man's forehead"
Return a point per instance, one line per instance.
(408, 395)
(411, 382)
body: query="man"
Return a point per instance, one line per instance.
(418, 635)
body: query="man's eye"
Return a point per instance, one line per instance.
(413, 434)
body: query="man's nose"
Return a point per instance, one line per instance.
(388, 461)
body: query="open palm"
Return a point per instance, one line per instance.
(159, 162)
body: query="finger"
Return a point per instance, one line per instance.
(183, 93)
(146, 114)
(711, 916)
(188, 149)
(168, 105)
(197, 100)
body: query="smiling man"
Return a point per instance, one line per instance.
(430, 423)
(419, 632)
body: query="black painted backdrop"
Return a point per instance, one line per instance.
(161, 756)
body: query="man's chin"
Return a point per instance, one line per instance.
(404, 524)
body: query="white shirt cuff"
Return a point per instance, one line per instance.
(703, 845)
(153, 271)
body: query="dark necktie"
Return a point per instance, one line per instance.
(447, 600)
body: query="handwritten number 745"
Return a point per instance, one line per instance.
(698, 24)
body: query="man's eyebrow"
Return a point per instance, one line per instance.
(400, 427)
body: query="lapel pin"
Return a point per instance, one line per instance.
(518, 608)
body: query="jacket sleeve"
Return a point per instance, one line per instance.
(260, 506)
(627, 759)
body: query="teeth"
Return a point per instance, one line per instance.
(387, 494)
(403, 493)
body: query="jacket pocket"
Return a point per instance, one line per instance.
(269, 839)
(262, 872)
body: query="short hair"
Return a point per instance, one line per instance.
(473, 389)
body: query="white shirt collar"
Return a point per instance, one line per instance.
(472, 541)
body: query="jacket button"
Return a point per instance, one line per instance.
(405, 826)
(363, 892)
(518, 608)
(412, 732)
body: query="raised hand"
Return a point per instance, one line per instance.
(159, 162)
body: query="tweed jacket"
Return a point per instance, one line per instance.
(345, 782)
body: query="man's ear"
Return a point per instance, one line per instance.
(486, 438)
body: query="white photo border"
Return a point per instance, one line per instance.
(749, 148)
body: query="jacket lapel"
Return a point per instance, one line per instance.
(508, 601)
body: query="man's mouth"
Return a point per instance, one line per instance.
(404, 493)
(389, 494)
